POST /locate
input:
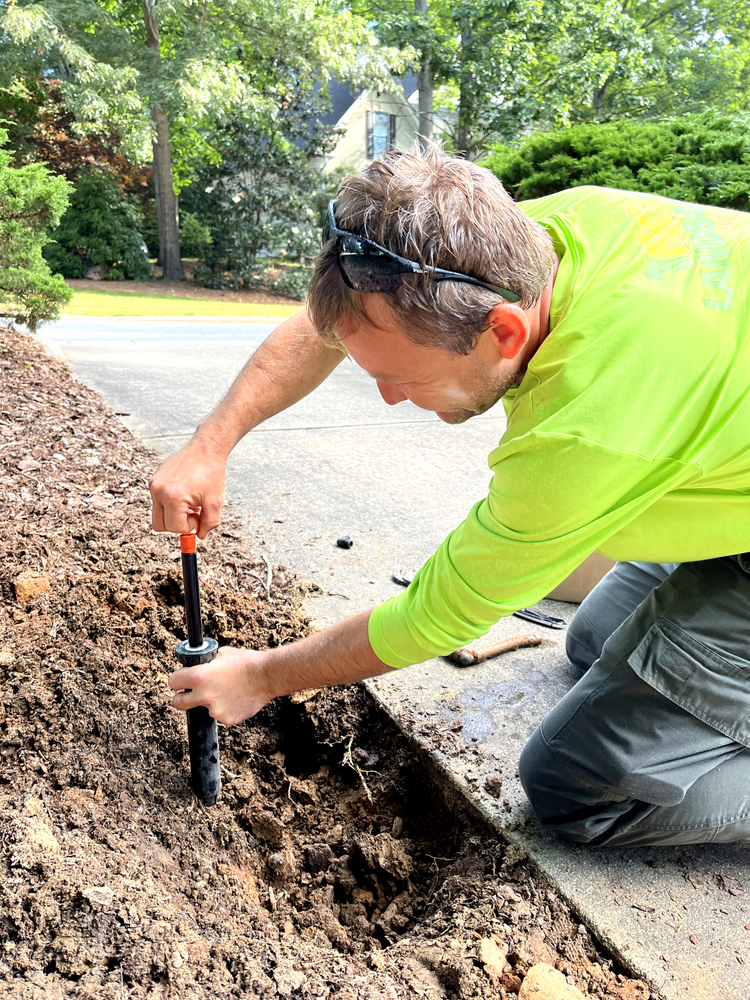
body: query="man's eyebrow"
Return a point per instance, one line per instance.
(383, 378)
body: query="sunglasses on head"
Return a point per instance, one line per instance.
(367, 267)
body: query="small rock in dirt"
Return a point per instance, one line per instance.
(511, 982)
(266, 826)
(36, 845)
(335, 834)
(98, 895)
(319, 857)
(492, 952)
(245, 787)
(288, 979)
(494, 786)
(7, 657)
(28, 465)
(28, 584)
(383, 852)
(398, 827)
(306, 694)
(542, 982)
(535, 949)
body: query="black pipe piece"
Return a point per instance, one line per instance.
(192, 599)
(203, 735)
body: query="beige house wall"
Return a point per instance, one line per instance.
(351, 151)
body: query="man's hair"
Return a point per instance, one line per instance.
(441, 211)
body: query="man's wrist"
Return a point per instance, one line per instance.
(218, 441)
(272, 674)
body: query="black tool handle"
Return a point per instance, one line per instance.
(192, 599)
(203, 735)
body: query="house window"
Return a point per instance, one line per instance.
(381, 133)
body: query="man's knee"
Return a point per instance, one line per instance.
(582, 643)
(544, 779)
(565, 802)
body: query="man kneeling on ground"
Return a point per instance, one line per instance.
(615, 328)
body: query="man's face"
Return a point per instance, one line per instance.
(453, 386)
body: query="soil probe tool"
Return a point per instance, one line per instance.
(203, 735)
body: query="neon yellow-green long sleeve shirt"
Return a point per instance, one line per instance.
(630, 432)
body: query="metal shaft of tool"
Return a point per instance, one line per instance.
(203, 735)
(192, 599)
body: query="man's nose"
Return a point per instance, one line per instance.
(391, 393)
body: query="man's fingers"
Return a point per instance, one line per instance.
(210, 518)
(185, 677)
(185, 700)
(189, 683)
(157, 517)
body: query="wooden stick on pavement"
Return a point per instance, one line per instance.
(465, 657)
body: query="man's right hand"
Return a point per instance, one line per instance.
(192, 478)
(289, 364)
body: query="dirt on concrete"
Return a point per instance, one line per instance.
(331, 867)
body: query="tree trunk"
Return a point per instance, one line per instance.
(425, 89)
(463, 133)
(597, 102)
(166, 199)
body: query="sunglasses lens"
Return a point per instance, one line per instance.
(366, 269)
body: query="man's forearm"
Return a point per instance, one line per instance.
(288, 365)
(341, 654)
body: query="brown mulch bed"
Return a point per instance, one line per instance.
(331, 866)
(190, 289)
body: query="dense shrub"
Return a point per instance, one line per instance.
(699, 158)
(101, 226)
(195, 236)
(31, 203)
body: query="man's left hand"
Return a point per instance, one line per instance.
(231, 686)
(239, 682)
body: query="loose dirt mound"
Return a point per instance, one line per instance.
(330, 867)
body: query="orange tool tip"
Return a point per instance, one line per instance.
(187, 542)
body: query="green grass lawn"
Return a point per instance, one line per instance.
(106, 303)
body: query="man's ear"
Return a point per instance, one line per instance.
(509, 327)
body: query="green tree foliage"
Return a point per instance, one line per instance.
(702, 158)
(101, 226)
(260, 204)
(31, 203)
(160, 73)
(503, 66)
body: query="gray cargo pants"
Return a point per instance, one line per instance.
(651, 746)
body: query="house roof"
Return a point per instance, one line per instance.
(343, 96)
